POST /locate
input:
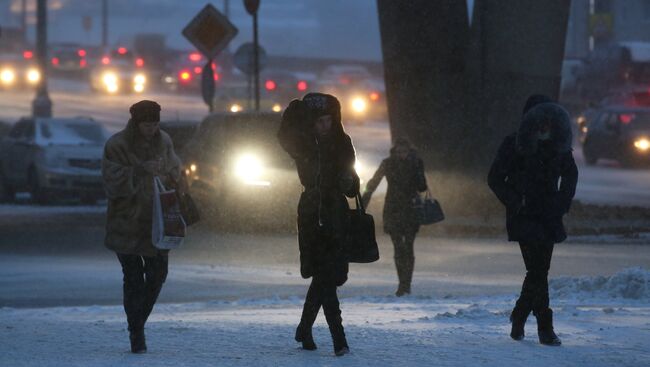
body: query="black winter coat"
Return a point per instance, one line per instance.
(326, 170)
(535, 184)
(405, 180)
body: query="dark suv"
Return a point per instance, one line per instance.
(620, 133)
(238, 171)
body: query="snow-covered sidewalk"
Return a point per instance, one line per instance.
(603, 321)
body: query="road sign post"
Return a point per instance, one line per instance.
(207, 85)
(252, 6)
(244, 59)
(210, 32)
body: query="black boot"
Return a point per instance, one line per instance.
(545, 328)
(335, 323)
(340, 343)
(303, 335)
(403, 288)
(138, 342)
(518, 319)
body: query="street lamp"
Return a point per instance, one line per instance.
(42, 105)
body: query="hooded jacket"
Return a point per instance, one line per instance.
(326, 171)
(536, 180)
(129, 188)
(405, 180)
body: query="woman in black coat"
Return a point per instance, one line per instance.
(312, 133)
(534, 175)
(404, 173)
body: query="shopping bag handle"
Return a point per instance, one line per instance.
(159, 183)
(359, 203)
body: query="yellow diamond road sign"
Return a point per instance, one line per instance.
(210, 31)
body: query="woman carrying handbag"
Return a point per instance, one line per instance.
(312, 133)
(404, 172)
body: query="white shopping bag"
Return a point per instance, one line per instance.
(168, 227)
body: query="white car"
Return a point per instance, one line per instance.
(53, 158)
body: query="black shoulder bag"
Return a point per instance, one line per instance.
(361, 241)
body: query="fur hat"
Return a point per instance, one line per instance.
(145, 111)
(551, 114)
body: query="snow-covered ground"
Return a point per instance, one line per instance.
(603, 321)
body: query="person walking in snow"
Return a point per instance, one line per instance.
(132, 157)
(312, 133)
(534, 176)
(404, 172)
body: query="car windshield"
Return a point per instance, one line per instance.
(72, 133)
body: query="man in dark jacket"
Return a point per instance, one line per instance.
(534, 176)
(312, 133)
(404, 172)
(132, 157)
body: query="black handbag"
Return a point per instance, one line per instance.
(428, 210)
(361, 241)
(189, 211)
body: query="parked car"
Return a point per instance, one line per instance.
(239, 173)
(620, 133)
(53, 158)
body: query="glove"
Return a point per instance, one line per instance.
(296, 116)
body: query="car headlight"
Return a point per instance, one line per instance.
(110, 81)
(33, 76)
(359, 104)
(140, 79)
(276, 108)
(138, 88)
(642, 144)
(249, 168)
(234, 108)
(7, 76)
(109, 78)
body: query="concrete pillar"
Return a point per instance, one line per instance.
(424, 45)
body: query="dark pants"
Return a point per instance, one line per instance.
(322, 292)
(534, 291)
(404, 257)
(143, 279)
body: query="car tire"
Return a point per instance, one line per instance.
(39, 196)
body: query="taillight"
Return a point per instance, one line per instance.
(139, 62)
(195, 56)
(82, 63)
(216, 77)
(81, 53)
(55, 61)
(270, 85)
(626, 118)
(28, 55)
(374, 96)
(185, 76)
(197, 70)
(122, 50)
(302, 85)
(106, 60)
